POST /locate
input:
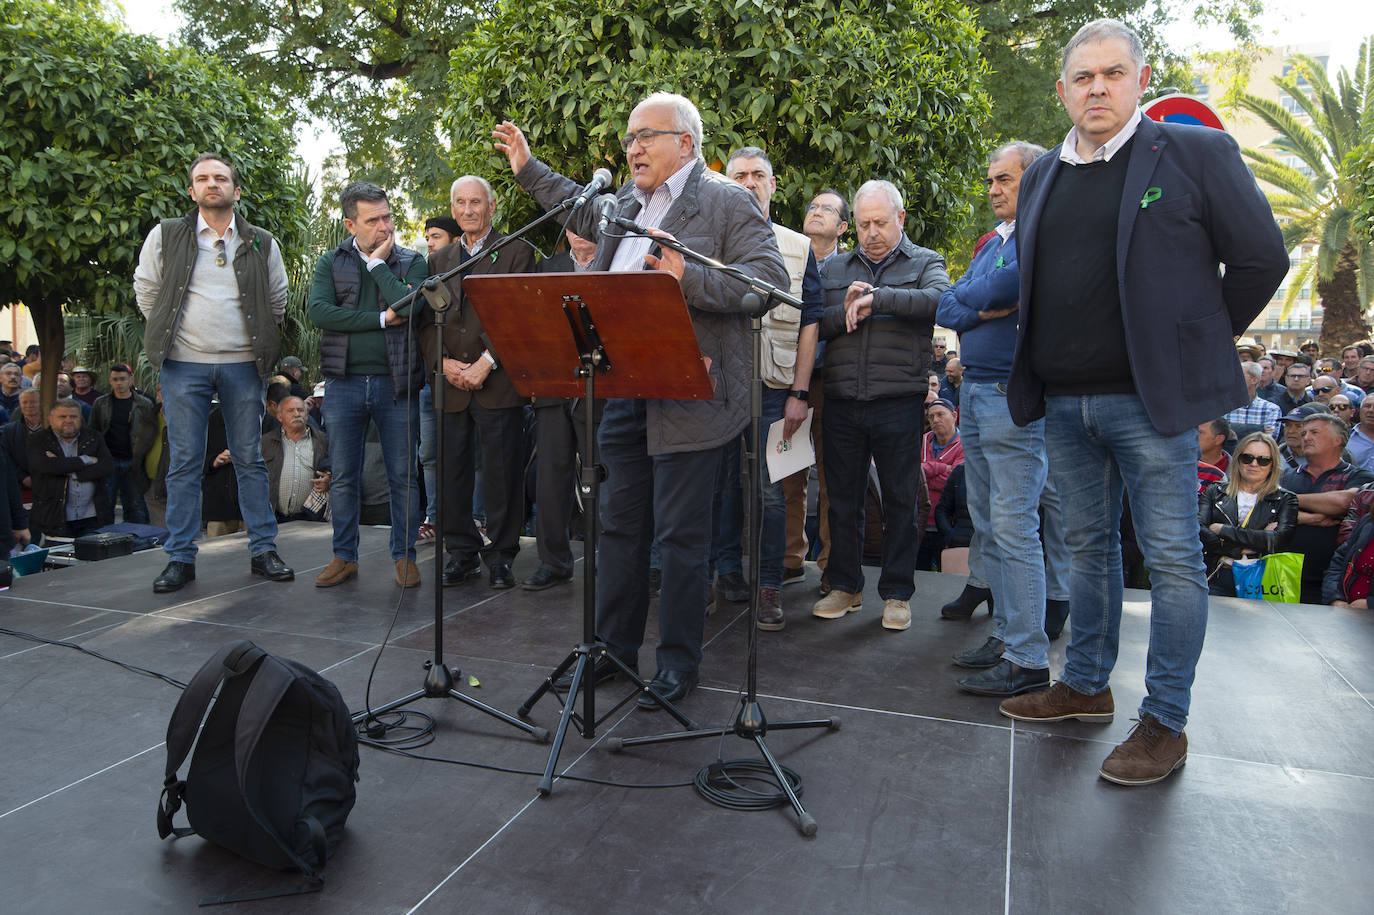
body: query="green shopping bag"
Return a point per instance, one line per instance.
(1276, 577)
(1283, 578)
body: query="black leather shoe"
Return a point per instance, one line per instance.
(989, 654)
(962, 607)
(732, 587)
(501, 578)
(270, 567)
(670, 686)
(174, 577)
(1056, 615)
(544, 577)
(458, 571)
(604, 670)
(1006, 679)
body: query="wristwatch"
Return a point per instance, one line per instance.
(803, 396)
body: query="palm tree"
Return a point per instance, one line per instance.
(1322, 208)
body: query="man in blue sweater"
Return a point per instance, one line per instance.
(1005, 464)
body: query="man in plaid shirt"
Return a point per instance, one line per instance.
(1258, 412)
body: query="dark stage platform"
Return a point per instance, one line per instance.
(927, 799)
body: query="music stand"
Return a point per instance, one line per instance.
(551, 331)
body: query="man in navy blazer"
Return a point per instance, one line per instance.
(1125, 344)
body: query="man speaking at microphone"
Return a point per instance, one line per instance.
(661, 455)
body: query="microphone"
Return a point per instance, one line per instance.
(601, 179)
(607, 207)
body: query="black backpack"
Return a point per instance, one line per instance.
(274, 768)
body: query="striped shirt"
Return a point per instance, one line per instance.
(629, 255)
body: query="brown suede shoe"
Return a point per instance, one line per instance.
(1150, 754)
(1059, 703)
(770, 610)
(337, 572)
(407, 573)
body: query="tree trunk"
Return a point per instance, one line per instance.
(52, 337)
(1343, 314)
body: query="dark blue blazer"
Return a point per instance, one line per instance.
(1180, 312)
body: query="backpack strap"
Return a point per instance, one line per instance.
(185, 723)
(270, 683)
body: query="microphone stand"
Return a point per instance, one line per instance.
(439, 681)
(750, 723)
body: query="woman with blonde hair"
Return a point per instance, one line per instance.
(1249, 515)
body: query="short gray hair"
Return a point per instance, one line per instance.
(749, 152)
(885, 188)
(686, 118)
(1028, 152)
(486, 185)
(1254, 369)
(1104, 30)
(1332, 420)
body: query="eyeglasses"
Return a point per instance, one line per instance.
(220, 258)
(643, 137)
(1326, 390)
(1263, 460)
(823, 208)
(1342, 406)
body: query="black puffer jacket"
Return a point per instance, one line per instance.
(1280, 508)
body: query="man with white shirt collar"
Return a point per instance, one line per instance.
(212, 288)
(661, 455)
(1123, 233)
(373, 371)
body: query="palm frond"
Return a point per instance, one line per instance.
(1335, 232)
(100, 341)
(1296, 280)
(1299, 230)
(1305, 144)
(1282, 176)
(1365, 277)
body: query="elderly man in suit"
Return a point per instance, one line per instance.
(1124, 229)
(481, 407)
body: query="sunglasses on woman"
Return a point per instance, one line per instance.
(1263, 460)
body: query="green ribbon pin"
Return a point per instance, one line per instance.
(1150, 197)
(1001, 261)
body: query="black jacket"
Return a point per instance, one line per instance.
(49, 478)
(951, 514)
(1280, 507)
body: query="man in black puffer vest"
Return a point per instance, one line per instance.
(373, 373)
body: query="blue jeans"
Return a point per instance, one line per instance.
(120, 485)
(1005, 469)
(1052, 536)
(730, 505)
(186, 391)
(429, 426)
(1096, 444)
(349, 403)
(884, 432)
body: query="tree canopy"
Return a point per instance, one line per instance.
(99, 126)
(375, 72)
(835, 92)
(1319, 204)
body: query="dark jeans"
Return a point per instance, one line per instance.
(646, 498)
(555, 439)
(883, 431)
(120, 485)
(495, 435)
(729, 504)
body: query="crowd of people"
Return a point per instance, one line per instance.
(1018, 460)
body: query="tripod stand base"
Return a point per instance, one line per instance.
(439, 685)
(750, 724)
(582, 661)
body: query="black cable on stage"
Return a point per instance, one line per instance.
(510, 771)
(134, 668)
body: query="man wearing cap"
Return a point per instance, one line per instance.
(128, 422)
(1325, 487)
(294, 369)
(212, 288)
(83, 386)
(440, 232)
(1311, 349)
(1258, 412)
